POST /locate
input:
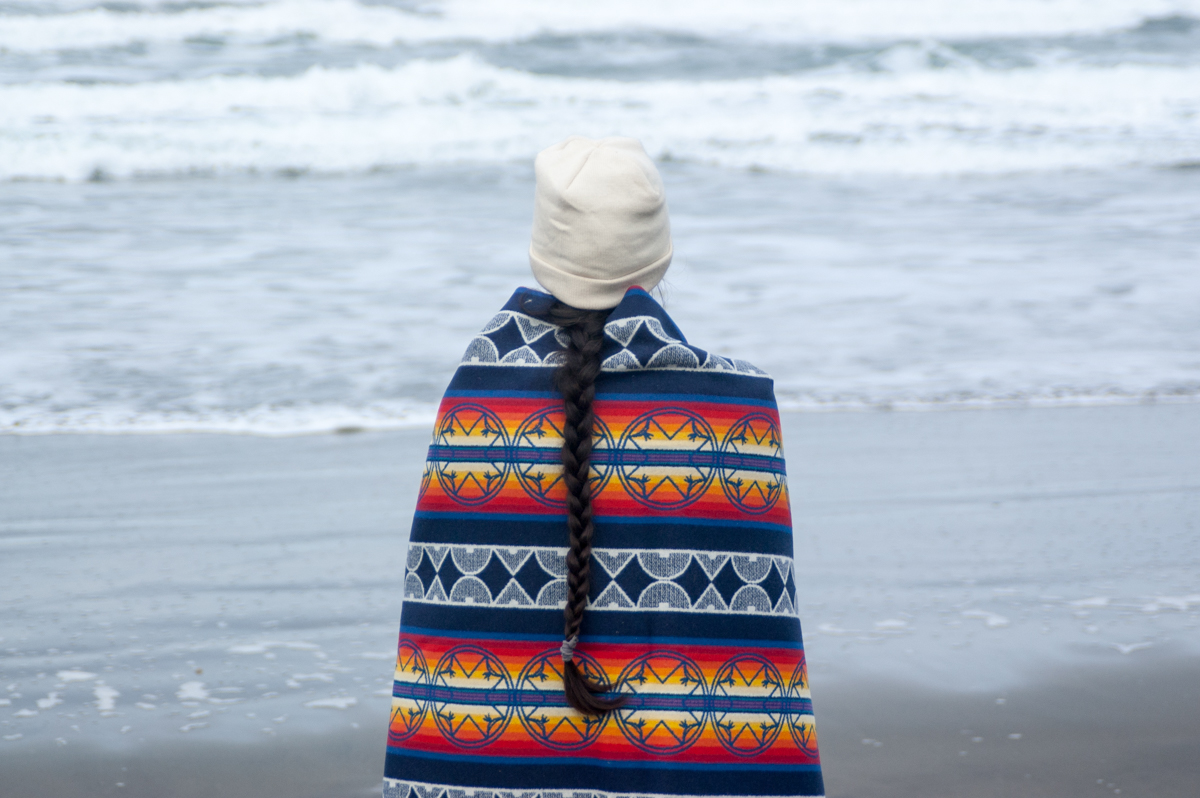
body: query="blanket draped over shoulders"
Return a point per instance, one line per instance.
(692, 609)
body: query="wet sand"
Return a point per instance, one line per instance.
(970, 576)
(1127, 729)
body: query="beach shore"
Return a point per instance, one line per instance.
(995, 603)
(1126, 729)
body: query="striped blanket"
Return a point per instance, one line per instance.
(692, 609)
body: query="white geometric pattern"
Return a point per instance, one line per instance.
(534, 577)
(515, 339)
(540, 344)
(657, 349)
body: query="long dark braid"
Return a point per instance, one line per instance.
(576, 380)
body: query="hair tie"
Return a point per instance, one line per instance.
(568, 648)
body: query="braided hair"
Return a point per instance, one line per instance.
(576, 380)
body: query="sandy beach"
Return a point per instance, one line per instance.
(995, 603)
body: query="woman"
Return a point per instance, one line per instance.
(599, 595)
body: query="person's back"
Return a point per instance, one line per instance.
(599, 593)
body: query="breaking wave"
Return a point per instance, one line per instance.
(912, 119)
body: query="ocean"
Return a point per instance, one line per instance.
(290, 216)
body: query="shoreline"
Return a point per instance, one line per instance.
(426, 419)
(1112, 729)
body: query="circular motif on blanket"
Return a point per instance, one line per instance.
(666, 458)
(800, 719)
(409, 708)
(471, 696)
(745, 451)
(426, 478)
(748, 704)
(553, 724)
(667, 707)
(537, 456)
(472, 464)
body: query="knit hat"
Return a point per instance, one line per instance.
(599, 221)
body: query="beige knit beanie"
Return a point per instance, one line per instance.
(599, 221)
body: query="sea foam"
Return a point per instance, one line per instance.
(909, 119)
(346, 21)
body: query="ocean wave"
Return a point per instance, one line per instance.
(266, 420)
(346, 21)
(969, 400)
(910, 120)
(290, 420)
(627, 56)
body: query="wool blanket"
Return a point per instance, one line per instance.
(692, 603)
